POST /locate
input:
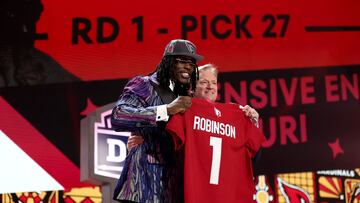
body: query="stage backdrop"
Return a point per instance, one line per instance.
(297, 63)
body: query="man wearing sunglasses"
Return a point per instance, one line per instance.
(206, 88)
(151, 171)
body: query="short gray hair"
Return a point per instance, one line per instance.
(210, 67)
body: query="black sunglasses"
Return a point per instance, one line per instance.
(185, 62)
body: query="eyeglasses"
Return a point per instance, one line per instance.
(185, 62)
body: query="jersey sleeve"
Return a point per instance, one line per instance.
(176, 127)
(254, 137)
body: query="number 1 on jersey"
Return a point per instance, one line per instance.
(216, 143)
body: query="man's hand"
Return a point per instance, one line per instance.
(251, 113)
(179, 105)
(134, 141)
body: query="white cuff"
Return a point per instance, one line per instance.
(161, 113)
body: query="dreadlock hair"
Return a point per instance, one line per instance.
(166, 150)
(165, 67)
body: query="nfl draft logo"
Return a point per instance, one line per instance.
(109, 148)
(103, 150)
(170, 49)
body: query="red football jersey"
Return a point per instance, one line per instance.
(219, 142)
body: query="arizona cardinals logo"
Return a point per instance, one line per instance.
(292, 193)
(217, 112)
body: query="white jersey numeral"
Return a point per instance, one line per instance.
(215, 142)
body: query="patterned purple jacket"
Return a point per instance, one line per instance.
(149, 173)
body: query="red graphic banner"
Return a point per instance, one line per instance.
(110, 40)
